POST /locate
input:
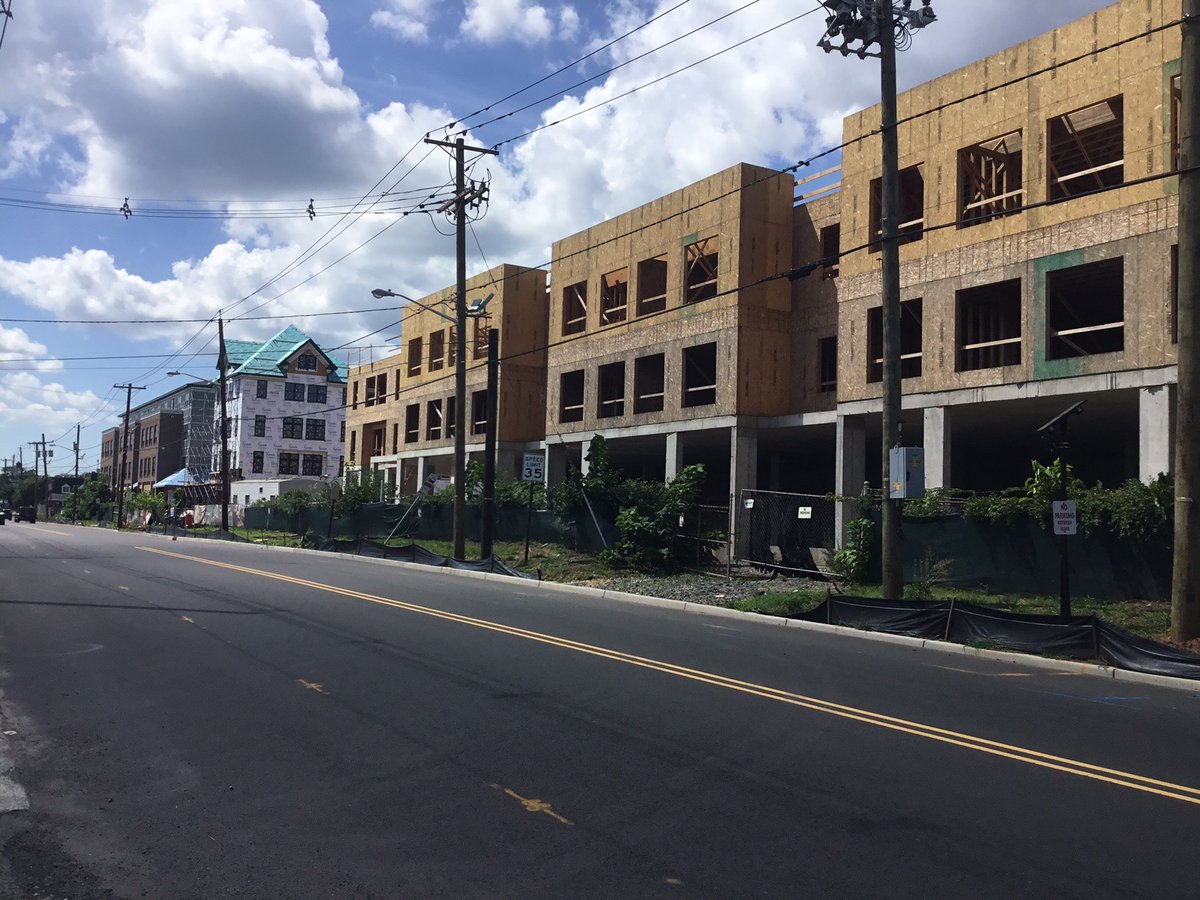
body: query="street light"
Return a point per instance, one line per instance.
(869, 22)
(459, 320)
(224, 439)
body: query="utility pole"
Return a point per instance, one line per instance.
(487, 526)
(39, 452)
(129, 389)
(74, 502)
(461, 198)
(224, 429)
(1185, 574)
(870, 22)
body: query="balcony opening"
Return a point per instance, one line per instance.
(911, 212)
(910, 341)
(989, 326)
(700, 375)
(611, 395)
(479, 412)
(433, 420)
(827, 360)
(652, 285)
(437, 350)
(483, 325)
(1085, 310)
(700, 269)
(648, 381)
(1087, 149)
(990, 180)
(570, 397)
(1176, 114)
(414, 357)
(574, 308)
(831, 250)
(412, 424)
(614, 297)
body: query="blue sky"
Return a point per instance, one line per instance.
(220, 120)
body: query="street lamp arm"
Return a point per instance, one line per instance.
(381, 293)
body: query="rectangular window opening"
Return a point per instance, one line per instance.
(700, 375)
(1176, 114)
(831, 250)
(257, 459)
(827, 361)
(482, 327)
(574, 308)
(652, 285)
(412, 423)
(451, 419)
(437, 350)
(313, 465)
(260, 426)
(414, 357)
(912, 208)
(293, 427)
(289, 463)
(990, 180)
(648, 383)
(479, 412)
(1086, 149)
(611, 393)
(614, 297)
(989, 326)
(1085, 309)
(433, 420)
(910, 341)
(570, 397)
(701, 266)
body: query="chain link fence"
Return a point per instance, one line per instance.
(704, 530)
(785, 532)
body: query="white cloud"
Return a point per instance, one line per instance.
(17, 348)
(28, 402)
(495, 21)
(407, 18)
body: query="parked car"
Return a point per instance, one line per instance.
(26, 514)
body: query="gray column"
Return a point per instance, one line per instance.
(1156, 426)
(743, 459)
(420, 462)
(850, 469)
(938, 421)
(556, 463)
(674, 455)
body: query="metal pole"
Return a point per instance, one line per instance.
(124, 456)
(460, 370)
(487, 526)
(1185, 574)
(893, 569)
(224, 430)
(528, 522)
(1064, 547)
(75, 502)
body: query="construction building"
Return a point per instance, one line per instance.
(401, 412)
(170, 432)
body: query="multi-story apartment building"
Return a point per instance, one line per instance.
(1039, 211)
(401, 412)
(286, 405)
(168, 433)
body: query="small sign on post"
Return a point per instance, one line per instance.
(1063, 513)
(533, 467)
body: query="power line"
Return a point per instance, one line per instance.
(343, 312)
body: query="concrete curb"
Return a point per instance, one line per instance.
(1006, 656)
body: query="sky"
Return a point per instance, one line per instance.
(220, 122)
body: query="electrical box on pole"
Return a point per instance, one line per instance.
(907, 468)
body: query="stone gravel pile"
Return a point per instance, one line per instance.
(708, 589)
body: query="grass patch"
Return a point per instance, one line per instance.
(780, 604)
(557, 563)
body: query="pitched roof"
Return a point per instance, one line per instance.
(270, 357)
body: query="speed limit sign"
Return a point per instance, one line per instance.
(533, 468)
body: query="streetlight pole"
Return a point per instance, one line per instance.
(871, 22)
(129, 389)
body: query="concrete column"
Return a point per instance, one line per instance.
(850, 469)
(1156, 428)
(420, 463)
(674, 455)
(507, 461)
(938, 422)
(556, 464)
(743, 472)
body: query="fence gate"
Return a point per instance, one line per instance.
(782, 531)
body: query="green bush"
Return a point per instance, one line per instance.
(650, 537)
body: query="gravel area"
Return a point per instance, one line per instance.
(713, 590)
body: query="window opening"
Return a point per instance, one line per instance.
(700, 375)
(260, 426)
(570, 397)
(307, 362)
(395, 437)
(256, 461)
(611, 393)
(433, 420)
(437, 350)
(450, 417)
(452, 347)
(990, 180)
(827, 361)
(911, 212)
(652, 285)
(700, 269)
(414, 357)
(989, 326)
(293, 427)
(614, 297)
(289, 463)
(479, 412)
(1176, 115)
(648, 382)
(314, 430)
(261, 391)
(293, 391)
(910, 341)
(574, 308)
(482, 327)
(412, 423)
(313, 464)
(1085, 309)
(1087, 149)
(319, 393)
(831, 250)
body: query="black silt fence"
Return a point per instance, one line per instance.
(784, 531)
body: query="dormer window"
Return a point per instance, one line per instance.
(307, 362)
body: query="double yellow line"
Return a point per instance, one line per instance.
(929, 732)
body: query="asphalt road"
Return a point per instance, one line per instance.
(196, 719)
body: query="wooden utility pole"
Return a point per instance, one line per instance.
(129, 389)
(74, 502)
(1185, 575)
(487, 525)
(221, 362)
(460, 316)
(893, 563)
